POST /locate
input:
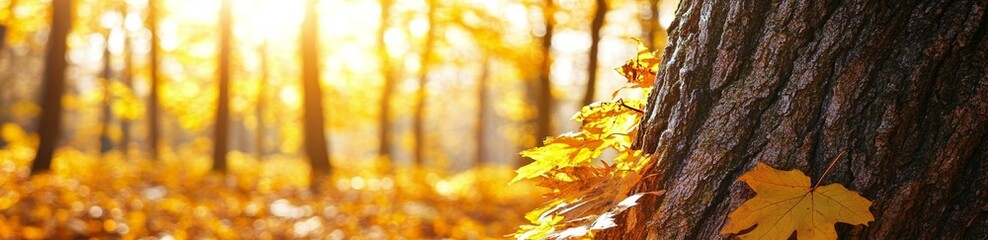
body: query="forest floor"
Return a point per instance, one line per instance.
(117, 197)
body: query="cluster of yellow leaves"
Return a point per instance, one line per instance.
(786, 203)
(587, 194)
(114, 196)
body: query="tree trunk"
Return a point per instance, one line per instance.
(653, 35)
(387, 88)
(106, 143)
(3, 36)
(313, 118)
(128, 80)
(418, 125)
(262, 85)
(901, 86)
(222, 125)
(483, 106)
(541, 89)
(153, 123)
(595, 26)
(54, 76)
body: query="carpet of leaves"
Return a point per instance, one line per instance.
(111, 196)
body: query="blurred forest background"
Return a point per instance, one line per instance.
(177, 119)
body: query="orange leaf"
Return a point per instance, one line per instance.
(785, 202)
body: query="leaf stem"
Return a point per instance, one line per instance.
(832, 162)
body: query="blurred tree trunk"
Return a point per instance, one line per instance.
(313, 123)
(222, 125)
(903, 88)
(387, 90)
(540, 90)
(153, 123)
(54, 86)
(653, 34)
(128, 81)
(483, 105)
(418, 125)
(106, 143)
(3, 36)
(262, 85)
(595, 26)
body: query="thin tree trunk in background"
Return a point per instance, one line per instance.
(262, 85)
(595, 26)
(541, 88)
(313, 122)
(483, 105)
(903, 88)
(106, 144)
(54, 86)
(387, 90)
(222, 124)
(128, 81)
(650, 24)
(418, 125)
(153, 123)
(3, 37)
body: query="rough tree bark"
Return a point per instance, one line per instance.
(50, 125)
(313, 119)
(222, 125)
(900, 85)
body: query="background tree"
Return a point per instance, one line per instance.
(262, 85)
(483, 106)
(154, 80)
(51, 105)
(599, 16)
(902, 88)
(388, 79)
(541, 89)
(425, 58)
(222, 125)
(313, 119)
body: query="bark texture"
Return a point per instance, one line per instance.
(902, 86)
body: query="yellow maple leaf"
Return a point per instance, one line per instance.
(785, 202)
(640, 70)
(602, 119)
(559, 152)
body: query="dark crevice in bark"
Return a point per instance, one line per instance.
(721, 196)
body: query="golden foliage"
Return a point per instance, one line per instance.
(113, 196)
(786, 203)
(587, 195)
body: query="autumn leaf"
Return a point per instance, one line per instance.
(641, 69)
(560, 152)
(603, 119)
(785, 202)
